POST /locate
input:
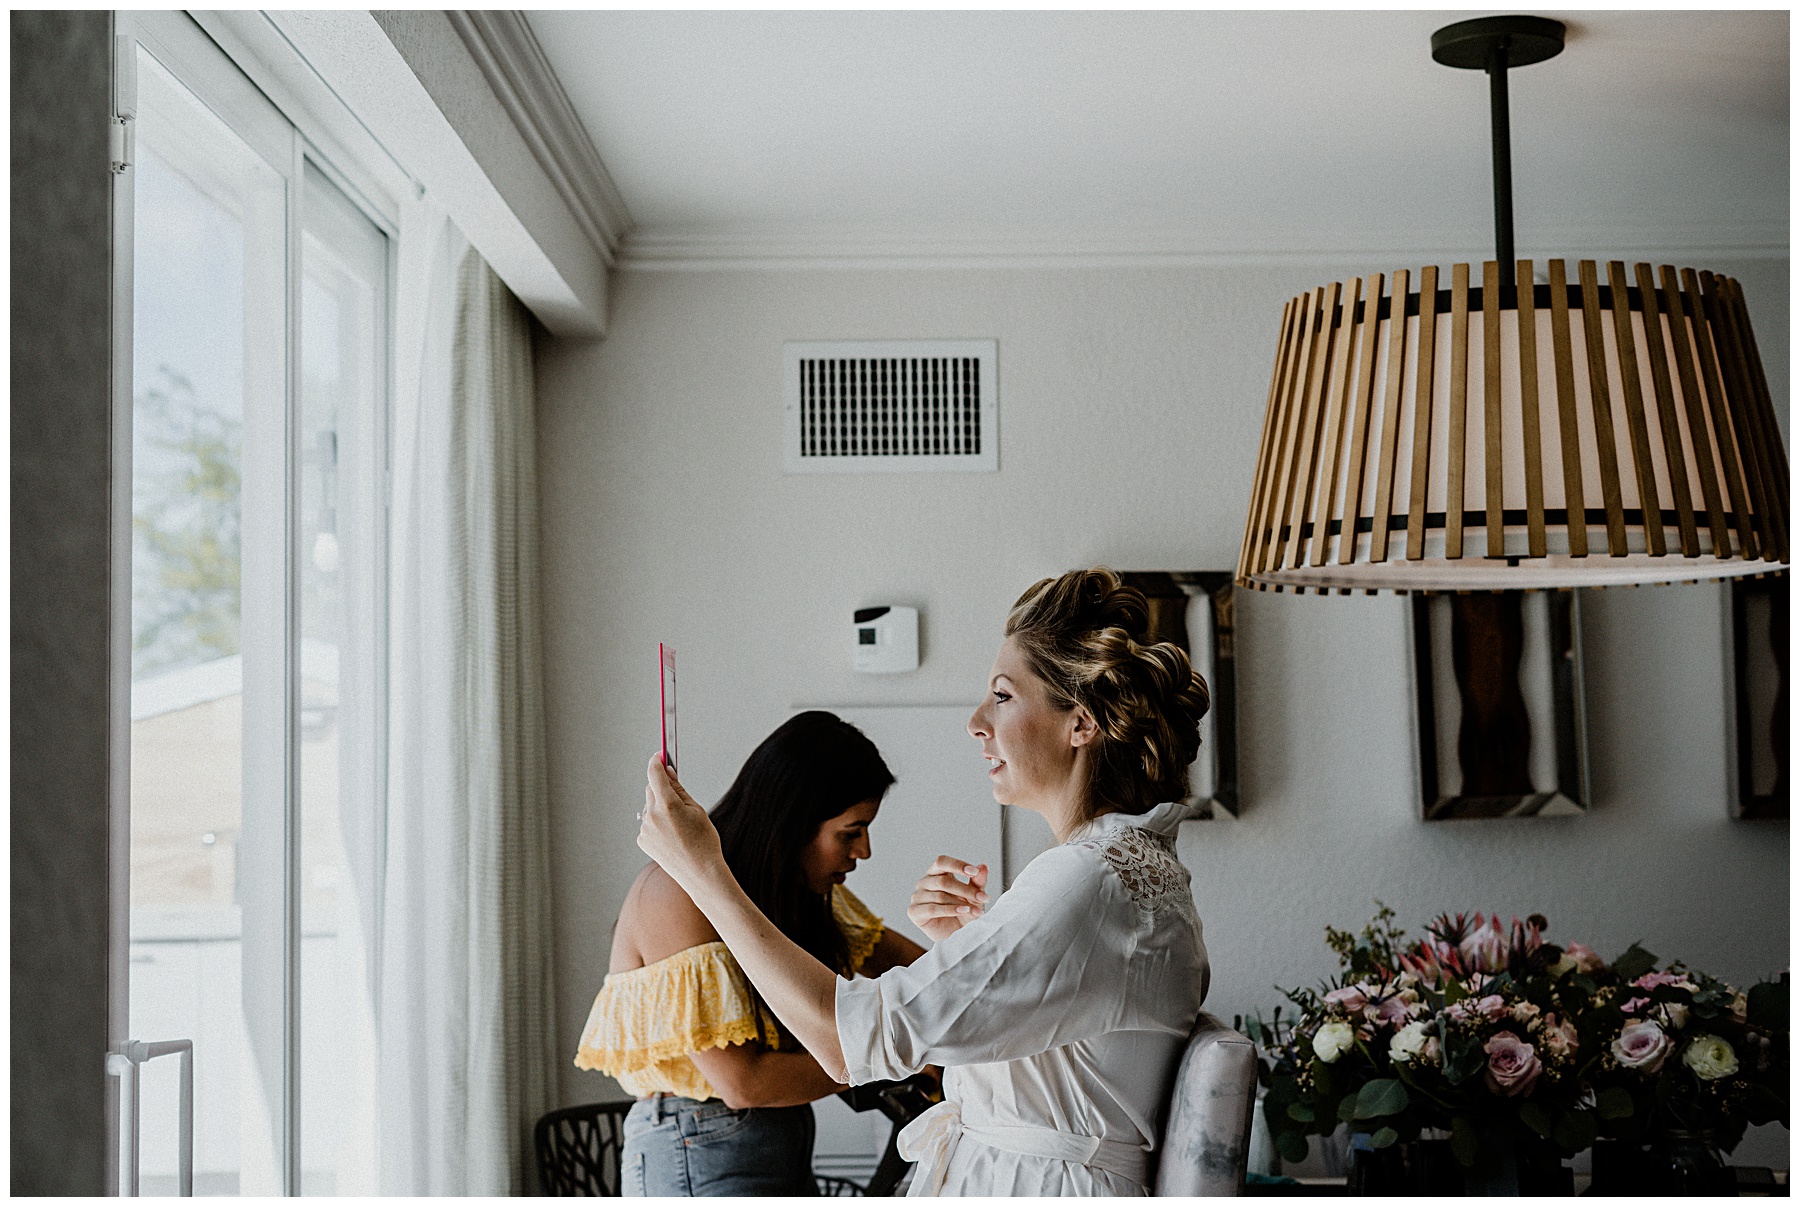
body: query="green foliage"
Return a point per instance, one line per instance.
(1574, 1131)
(186, 529)
(1384, 1138)
(1383, 1096)
(1614, 1103)
(1373, 952)
(1465, 1141)
(1633, 964)
(1463, 1057)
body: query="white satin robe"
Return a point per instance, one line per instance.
(1059, 1017)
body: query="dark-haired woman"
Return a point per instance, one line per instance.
(722, 1087)
(1059, 1012)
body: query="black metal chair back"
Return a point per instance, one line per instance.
(579, 1150)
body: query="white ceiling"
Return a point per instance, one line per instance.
(1180, 132)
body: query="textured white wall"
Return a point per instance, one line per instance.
(1130, 405)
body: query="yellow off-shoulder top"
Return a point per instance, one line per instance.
(645, 1021)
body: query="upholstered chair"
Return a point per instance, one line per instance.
(1206, 1133)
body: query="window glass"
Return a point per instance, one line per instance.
(208, 343)
(343, 289)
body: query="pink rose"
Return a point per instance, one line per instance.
(1513, 1065)
(1655, 980)
(1586, 958)
(1641, 1045)
(1350, 997)
(1491, 1007)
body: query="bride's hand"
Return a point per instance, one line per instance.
(676, 832)
(942, 904)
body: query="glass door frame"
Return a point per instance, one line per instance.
(198, 62)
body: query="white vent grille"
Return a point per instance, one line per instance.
(891, 405)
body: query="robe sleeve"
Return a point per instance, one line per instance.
(1049, 964)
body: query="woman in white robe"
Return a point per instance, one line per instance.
(1060, 1013)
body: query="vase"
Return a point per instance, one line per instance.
(1677, 1162)
(1620, 1167)
(1517, 1165)
(1688, 1163)
(1418, 1167)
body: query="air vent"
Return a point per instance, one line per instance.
(890, 405)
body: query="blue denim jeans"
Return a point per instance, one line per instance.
(677, 1146)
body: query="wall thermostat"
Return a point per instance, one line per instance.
(886, 640)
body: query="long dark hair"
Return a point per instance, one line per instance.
(811, 769)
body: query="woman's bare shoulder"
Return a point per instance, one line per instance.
(657, 920)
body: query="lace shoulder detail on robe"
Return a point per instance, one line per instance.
(1146, 864)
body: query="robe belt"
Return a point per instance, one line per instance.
(932, 1139)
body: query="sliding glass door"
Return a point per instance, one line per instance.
(258, 396)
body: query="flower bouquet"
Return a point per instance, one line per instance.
(1486, 1032)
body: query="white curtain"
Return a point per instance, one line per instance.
(466, 1052)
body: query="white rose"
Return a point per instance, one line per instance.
(1408, 1043)
(1710, 1057)
(1332, 1041)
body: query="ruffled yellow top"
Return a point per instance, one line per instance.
(646, 1021)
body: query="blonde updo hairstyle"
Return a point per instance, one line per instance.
(1084, 635)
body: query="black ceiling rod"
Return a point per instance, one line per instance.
(1500, 118)
(1496, 45)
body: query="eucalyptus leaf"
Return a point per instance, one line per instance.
(1634, 963)
(1463, 1057)
(1615, 1103)
(1575, 1131)
(1347, 1108)
(1535, 1116)
(1384, 1096)
(1384, 1138)
(1465, 1142)
(1301, 1112)
(1292, 1146)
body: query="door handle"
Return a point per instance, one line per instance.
(124, 1066)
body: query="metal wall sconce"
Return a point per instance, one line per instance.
(1194, 610)
(1758, 698)
(1499, 704)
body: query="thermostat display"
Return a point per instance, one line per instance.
(887, 640)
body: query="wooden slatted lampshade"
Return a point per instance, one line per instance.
(1609, 430)
(1511, 433)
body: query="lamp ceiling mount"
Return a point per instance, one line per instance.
(1474, 44)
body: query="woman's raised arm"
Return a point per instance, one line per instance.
(677, 833)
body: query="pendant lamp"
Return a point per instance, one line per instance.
(1609, 425)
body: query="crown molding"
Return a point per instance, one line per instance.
(676, 249)
(504, 47)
